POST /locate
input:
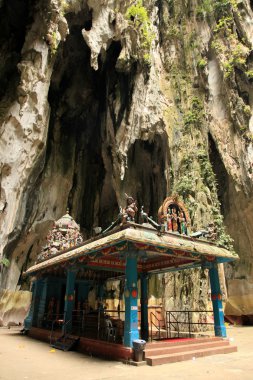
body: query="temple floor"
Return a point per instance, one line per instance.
(36, 360)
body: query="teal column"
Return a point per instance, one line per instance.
(69, 299)
(219, 326)
(131, 301)
(36, 290)
(144, 306)
(42, 298)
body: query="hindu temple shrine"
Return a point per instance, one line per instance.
(69, 270)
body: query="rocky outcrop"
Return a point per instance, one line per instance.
(14, 306)
(137, 97)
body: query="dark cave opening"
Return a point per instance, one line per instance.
(82, 101)
(15, 16)
(220, 174)
(146, 173)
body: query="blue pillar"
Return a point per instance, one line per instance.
(41, 295)
(144, 306)
(131, 301)
(69, 299)
(219, 327)
(36, 290)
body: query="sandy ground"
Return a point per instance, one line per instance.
(22, 357)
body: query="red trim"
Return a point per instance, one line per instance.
(101, 348)
(90, 346)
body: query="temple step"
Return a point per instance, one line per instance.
(178, 353)
(187, 347)
(182, 342)
(65, 343)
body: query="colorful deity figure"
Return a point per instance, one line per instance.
(174, 217)
(182, 222)
(169, 220)
(212, 234)
(130, 210)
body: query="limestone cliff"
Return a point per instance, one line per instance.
(99, 98)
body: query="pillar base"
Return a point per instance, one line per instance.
(220, 331)
(129, 338)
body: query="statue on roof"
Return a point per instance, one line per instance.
(130, 210)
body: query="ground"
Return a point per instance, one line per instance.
(22, 357)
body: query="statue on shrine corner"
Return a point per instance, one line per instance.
(169, 220)
(182, 222)
(130, 210)
(211, 232)
(174, 217)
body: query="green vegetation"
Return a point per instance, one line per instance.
(195, 115)
(232, 53)
(247, 110)
(64, 6)
(204, 9)
(238, 59)
(137, 16)
(249, 74)
(202, 63)
(224, 7)
(53, 43)
(5, 262)
(185, 186)
(224, 24)
(206, 170)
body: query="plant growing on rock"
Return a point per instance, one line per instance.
(138, 18)
(224, 7)
(202, 63)
(195, 114)
(4, 262)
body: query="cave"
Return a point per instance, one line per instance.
(147, 162)
(220, 174)
(15, 16)
(83, 109)
(78, 123)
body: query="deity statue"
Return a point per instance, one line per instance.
(212, 234)
(130, 210)
(169, 220)
(182, 222)
(174, 217)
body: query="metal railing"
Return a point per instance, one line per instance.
(57, 321)
(155, 323)
(173, 322)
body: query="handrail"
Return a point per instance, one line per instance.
(53, 323)
(158, 327)
(171, 323)
(187, 321)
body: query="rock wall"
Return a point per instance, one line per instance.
(107, 97)
(14, 306)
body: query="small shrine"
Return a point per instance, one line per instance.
(174, 216)
(69, 292)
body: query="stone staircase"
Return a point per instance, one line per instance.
(177, 351)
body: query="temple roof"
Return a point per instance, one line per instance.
(156, 251)
(66, 222)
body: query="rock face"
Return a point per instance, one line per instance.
(102, 98)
